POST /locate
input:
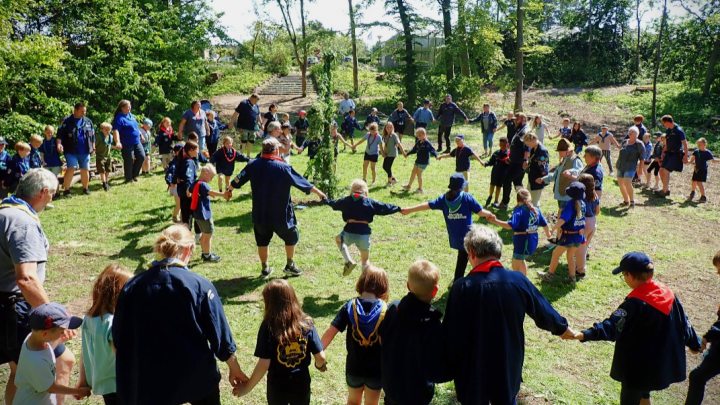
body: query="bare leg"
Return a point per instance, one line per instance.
(519, 265)
(69, 173)
(372, 397)
(10, 388)
(412, 177)
(290, 251)
(497, 193)
(263, 252)
(84, 177)
(365, 257)
(365, 165)
(205, 243)
(557, 252)
(420, 172)
(701, 186)
(492, 190)
(227, 182)
(571, 261)
(220, 179)
(176, 211)
(355, 396)
(63, 368)
(665, 177)
(372, 167)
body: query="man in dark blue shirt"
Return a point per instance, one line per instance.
(271, 199)
(676, 153)
(76, 138)
(519, 155)
(446, 114)
(247, 114)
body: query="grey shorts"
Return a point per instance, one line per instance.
(165, 159)
(361, 241)
(56, 170)
(206, 226)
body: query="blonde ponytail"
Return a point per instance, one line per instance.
(173, 241)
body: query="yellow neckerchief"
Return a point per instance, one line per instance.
(22, 208)
(367, 341)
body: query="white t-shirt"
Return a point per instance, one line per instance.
(346, 105)
(35, 375)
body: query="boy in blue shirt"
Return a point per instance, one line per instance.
(593, 157)
(462, 155)
(214, 136)
(372, 117)
(349, 127)
(358, 212)
(200, 205)
(36, 160)
(19, 165)
(423, 116)
(224, 159)
(700, 156)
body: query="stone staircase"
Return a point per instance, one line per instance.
(289, 85)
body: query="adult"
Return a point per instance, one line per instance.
(169, 327)
(247, 118)
(76, 139)
(539, 162)
(632, 151)
(346, 104)
(127, 138)
(447, 112)
(274, 131)
(484, 337)
(676, 153)
(270, 199)
(23, 255)
(400, 118)
(195, 120)
(489, 123)
(423, 116)
(518, 158)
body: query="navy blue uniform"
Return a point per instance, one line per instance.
(164, 140)
(701, 164)
(372, 118)
(170, 171)
(16, 169)
(597, 172)
(312, 146)
(709, 368)
(579, 139)
(77, 136)
(224, 160)
(184, 176)
(301, 130)
(539, 165)
(214, 136)
(423, 149)
(247, 116)
(484, 336)
(36, 160)
(462, 157)
(360, 208)
(674, 151)
(5, 159)
(169, 328)
(349, 126)
(499, 164)
(362, 343)
(515, 173)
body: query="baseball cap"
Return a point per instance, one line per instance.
(52, 314)
(333, 123)
(448, 96)
(460, 136)
(604, 126)
(457, 182)
(576, 190)
(374, 109)
(657, 134)
(427, 102)
(634, 262)
(303, 112)
(3, 141)
(148, 122)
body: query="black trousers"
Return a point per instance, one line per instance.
(111, 399)
(133, 159)
(299, 140)
(186, 212)
(629, 396)
(212, 147)
(444, 131)
(293, 390)
(513, 177)
(708, 369)
(654, 166)
(400, 129)
(388, 164)
(461, 265)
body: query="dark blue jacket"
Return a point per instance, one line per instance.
(16, 169)
(170, 170)
(224, 160)
(497, 161)
(36, 160)
(349, 125)
(169, 327)
(185, 174)
(67, 134)
(579, 138)
(650, 331)
(301, 126)
(492, 122)
(163, 141)
(411, 362)
(423, 149)
(713, 335)
(484, 336)
(359, 208)
(447, 113)
(5, 159)
(272, 205)
(370, 119)
(518, 147)
(215, 128)
(247, 115)
(312, 145)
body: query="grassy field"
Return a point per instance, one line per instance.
(88, 233)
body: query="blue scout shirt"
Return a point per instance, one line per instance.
(169, 327)
(372, 118)
(579, 138)
(572, 224)
(202, 211)
(524, 220)
(488, 366)
(539, 162)
(491, 119)
(362, 343)
(50, 152)
(462, 158)
(590, 207)
(170, 171)
(360, 208)
(566, 132)
(497, 161)
(458, 216)
(164, 141)
(272, 198)
(215, 128)
(35, 158)
(16, 169)
(423, 116)
(447, 113)
(423, 149)
(651, 330)
(349, 125)
(127, 126)
(247, 115)
(185, 175)
(288, 360)
(597, 172)
(76, 135)
(5, 159)
(702, 157)
(674, 137)
(224, 160)
(312, 146)
(373, 143)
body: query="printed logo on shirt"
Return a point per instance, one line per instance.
(532, 224)
(210, 294)
(621, 323)
(579, 222)
(457, 215)
(293, 354)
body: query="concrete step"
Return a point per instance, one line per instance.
(287, 85)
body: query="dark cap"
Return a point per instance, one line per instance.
(448, 96)
(51, 315)
(457, 182)
(460, 136)
(576, 190)
(3, 141)
(634, 262)
(604, 126)
(427, 102)
(563, 145)
(178, 146)
(658, 134)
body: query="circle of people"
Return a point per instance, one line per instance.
(387, 343)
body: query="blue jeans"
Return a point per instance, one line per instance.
(133, 159)
(488, 140)
(80, 161)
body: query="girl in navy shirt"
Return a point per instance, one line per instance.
(701, 156)
(592, 210)
(224, 160)
(423, 148)
(572, 227)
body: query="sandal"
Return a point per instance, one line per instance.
(624, 203)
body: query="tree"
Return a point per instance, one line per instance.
(447, 33)
(299, 47)
(404, 10)
(356, 83)
(258, 31)
(462, 38)
(709, 18)
(657, 64)
(519, 76)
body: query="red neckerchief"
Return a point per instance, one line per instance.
(271, 157)
(459, 150)
(373, 140)
(195, 196)
(655, 294)
(169, 133)
(507, 155)
(587, 167)
(233, 154)
(486, 266)
(357, 196)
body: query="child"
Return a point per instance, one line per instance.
(103, 161)
(145, 131)
(19, 165)
(372, 150)
(200, 205)
(564, 174)
(539, 162)
(457, 207)
(269, 117)
(364, 316)
(336, 137)
(349, 126)
(579, 138)
(499, 162)
(312, 145)
(540, 128)
(97, 364)
(286, 337)
(287, 143)
(700, 156)
(638, 120)
(423, 148)
(411, 333)
(35, 377)
(645, 161)
(5, 159)
(372, 117)
(592, 210)
(36, 160)
(524, 222)
(224, 159)
(201, 157)
(163, 141)
(650, 329)
(49, 152)
(656, 159)
(389, 150)
(169, 173)
(509, 123)
(593, 154)
(571, 223)
(358, 211)
(604, 139)
(462, 155)
(214, 136)
(565, 132)
(301, 127)
(710, 366)
(184, 177)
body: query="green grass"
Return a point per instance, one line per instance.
(369, 87)
(88, 233)
(237, 79)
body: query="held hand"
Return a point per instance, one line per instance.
(434, 121)
(118, 145)
(703, 345)
(67, 336)
(494, 129)
(571, 334)
(437, 158)
(240, 391)
(467, 121)
(84, 392)
(60, 148)
(79, 386)
(322, 195)
(525, 165)
(404, 154)
(404, 211)
(539, 180)
(187, 192)
(568, 174)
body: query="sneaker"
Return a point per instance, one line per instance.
(662, 194)
(495, 204)
(212, 257)
(406, 187)
(569, 280)
(446, 150)
(49, 206)
(546, 276)
(106, 186)
(393, 181)
(632, 204)
(502, 207)
(553, 240)
(587, 256)
(702, 199)
(86, 191)
(487, 202)
(266, 272)
(292, 269)
(691, 196)
(67, 194)
(579, 276)
(624, 203)
(349, 267)
(197, 237)
(419, 191)
(373, 184)
(389, 184)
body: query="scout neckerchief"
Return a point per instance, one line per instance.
(356, 196)
(655, 294)
(506, 153)
(168, 131)
(3, 158)
(271, 157)
(195, 196)
(168, 262)
(107, 141)
(370, 142)
(15, 202)
(587, 167)
(24, 167)
(486, 266)
(229, 158)
(198, 115)
(366, 325)
(453, 206)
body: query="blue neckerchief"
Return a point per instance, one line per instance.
(14, 200)
(168, 262)
(366, 323)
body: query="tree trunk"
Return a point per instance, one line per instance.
(410, 69)
(447, 32)
(463, 39)
(590, 38)
(710, 74)
(257, 34)
(637, 48)
(519, 75)
(290, 28)
(356, 83)
(657, 65)
(303, 67)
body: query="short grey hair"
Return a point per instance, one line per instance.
(483, 242)
(594, 151)
(270, 145)
(530, 137)
(34, 182)
(634, 129)
(271, 126)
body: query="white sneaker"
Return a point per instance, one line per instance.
(419, 191)
(49, 206)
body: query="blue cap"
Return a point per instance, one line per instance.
(148, 122)
(576, 190)
(178, 146)
(50, 315)
(427, 101)
(457, 182)
(460, 136)
(448, 96)
(3, 141)
(634, 262)
(333, 123)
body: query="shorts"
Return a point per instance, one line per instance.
(629, 174)
(247, 136)
(373, 383)
(496, 177)
(226, 171)
(103, 164)
(700, 175)
(466, 174)
(14, 328)
(264, 234)
(371, 158)
(590, 224)
(173, 191)
(56, 170)
(562, 204)
(518, 256)
(289, 390)
(165, 158)
(421, 167)
(207, 226)
(578, 149)
(524, 246)
(361, 241)
(672, 162)
(83, 160)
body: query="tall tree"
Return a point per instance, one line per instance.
(299, 46)
(462, 38)
(708, 15)
(638, 18)
(657, 64)
(356, 83)
(258, 31)
(404, 12)
(519, 75)
(447, 33)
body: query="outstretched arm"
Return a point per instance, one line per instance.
(421, 207)
(260, 369)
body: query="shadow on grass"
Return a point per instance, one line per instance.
(322, 306)
(242, 223)
(237, 287)
(618, 212)
(151, 223)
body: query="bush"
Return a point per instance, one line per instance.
(278, 60)
(18, 127)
